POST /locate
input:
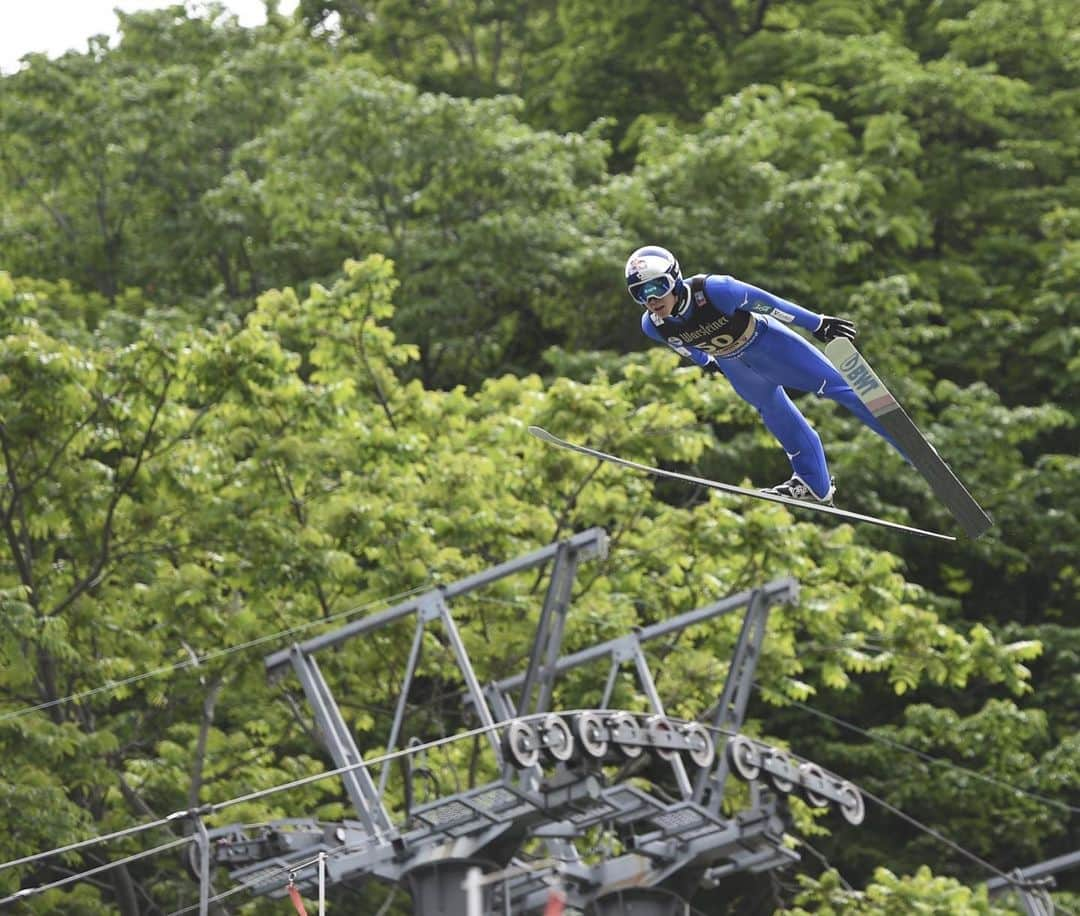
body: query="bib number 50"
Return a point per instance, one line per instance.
(717, 344)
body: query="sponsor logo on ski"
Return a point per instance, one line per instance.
(858, 374)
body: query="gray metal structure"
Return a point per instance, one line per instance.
(1034, 883)
(651, 785)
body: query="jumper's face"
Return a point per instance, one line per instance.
(662, 306)
(660, 287)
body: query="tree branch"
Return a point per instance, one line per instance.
(199, 764)
(21, 548)
(383, 402)
(94, 575)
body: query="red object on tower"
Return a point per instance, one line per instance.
(556, 902)
(294, 895)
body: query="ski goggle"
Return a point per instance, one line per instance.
(656, 288)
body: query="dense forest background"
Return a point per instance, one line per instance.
(277, 304)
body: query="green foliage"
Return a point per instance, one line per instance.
(119, 169)
(892, 895)
(484, 218)
(475, 48)
(967, 784)
(784, 164)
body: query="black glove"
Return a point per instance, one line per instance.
(831, 328)
(711, 367)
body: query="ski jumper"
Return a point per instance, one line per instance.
(722, 324)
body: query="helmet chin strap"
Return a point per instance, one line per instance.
(682, 298)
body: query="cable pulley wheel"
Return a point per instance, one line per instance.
(852, 806)
(701, 749)
(591, 734)
(660, 729)
(782, 771)
(812, 771)
(627, 735)
(557, 738)
(520, 744)
(744, 756)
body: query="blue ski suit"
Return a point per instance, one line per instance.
(727, 326)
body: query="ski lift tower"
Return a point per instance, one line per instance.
(652, 786)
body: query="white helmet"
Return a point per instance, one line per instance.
(651, 273)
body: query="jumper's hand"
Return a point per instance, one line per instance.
(831, 328)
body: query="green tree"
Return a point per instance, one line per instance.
(488, 221)
(118, 165)
(478, 48)
(893, 895)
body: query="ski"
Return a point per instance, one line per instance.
(924, 457)
(551, 439)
